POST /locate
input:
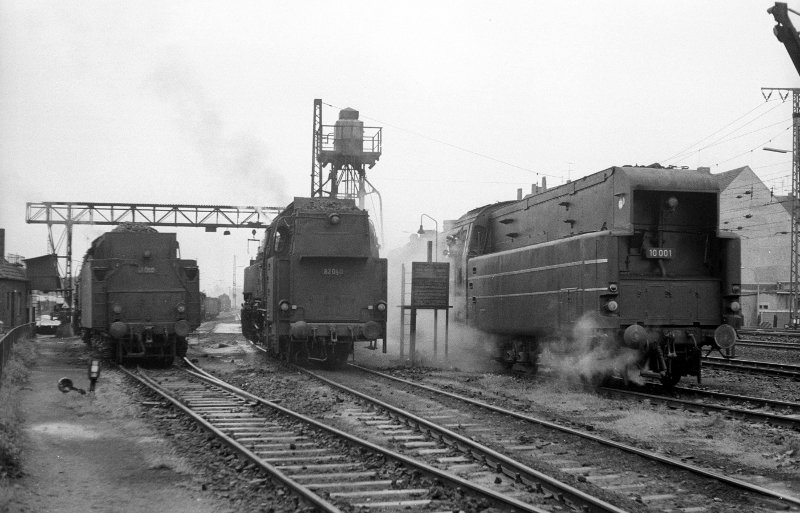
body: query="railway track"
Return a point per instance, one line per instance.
(759, 409)
(770, 332)
(651, 489)
(791, 346)
(331, 469)
(752, 366)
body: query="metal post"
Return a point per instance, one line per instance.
(316, 148)
(446, 330)
(793, 262)
(68, 267)
(402, 309)
(412, 346)
(435, 331)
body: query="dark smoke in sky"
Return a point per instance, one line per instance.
(240, 159)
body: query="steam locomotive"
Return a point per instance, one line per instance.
(137, 299)
(317, 285)
(630, 260)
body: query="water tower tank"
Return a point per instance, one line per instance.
(348, 133)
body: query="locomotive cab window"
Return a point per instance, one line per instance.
(672, 232)
(282, 239)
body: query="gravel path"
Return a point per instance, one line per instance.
(87, 453)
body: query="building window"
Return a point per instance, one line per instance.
(763, 307)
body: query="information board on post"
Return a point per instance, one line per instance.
(430, 285)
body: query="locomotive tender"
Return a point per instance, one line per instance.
(634, 253)
(317, 284)
(137, 298)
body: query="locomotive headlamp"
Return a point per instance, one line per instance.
(381, 306)
(147, 253)
(735, 306)
(117, 308)
(334, 218)
(736, 289)
(612, 306)
(613, 288)
(284, 306)
(181, 308)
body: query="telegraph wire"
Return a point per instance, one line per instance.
(744, 134)
(686, 150)
(751, 150)
(460, 148)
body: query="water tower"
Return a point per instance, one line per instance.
(348, 148)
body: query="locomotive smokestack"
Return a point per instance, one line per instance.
(519, 194)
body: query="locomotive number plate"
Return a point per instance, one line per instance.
(330, 271)
(660, 253)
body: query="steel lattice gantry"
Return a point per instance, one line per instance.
(68, 214)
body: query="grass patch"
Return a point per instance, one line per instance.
(15, 375)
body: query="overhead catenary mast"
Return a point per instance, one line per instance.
(787, 34)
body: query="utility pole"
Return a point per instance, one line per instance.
(794, 259)
(787, 34)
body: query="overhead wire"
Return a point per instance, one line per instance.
(686, 149)
(685, 152)
(754, 148)
(460, 148)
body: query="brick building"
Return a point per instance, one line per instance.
(14, 290)
(749, 209)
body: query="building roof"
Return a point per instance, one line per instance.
(726, 178)
(11, 271)
(785, 201)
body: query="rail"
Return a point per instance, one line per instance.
(9, 339)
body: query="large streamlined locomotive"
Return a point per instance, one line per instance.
(137, 298)
(317, 284)
(632, 258)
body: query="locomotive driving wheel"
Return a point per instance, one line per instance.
(670, 379)
(673, 374)
(521, 352)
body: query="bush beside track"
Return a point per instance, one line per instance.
(15, 375)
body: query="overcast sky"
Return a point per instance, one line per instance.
(211, 102)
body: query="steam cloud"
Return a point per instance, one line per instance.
(584, 357)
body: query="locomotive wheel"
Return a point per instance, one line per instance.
(105, 348)
(670, 380)
(338, 359)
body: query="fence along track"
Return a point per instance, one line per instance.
(9, 339)
(311, 467)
